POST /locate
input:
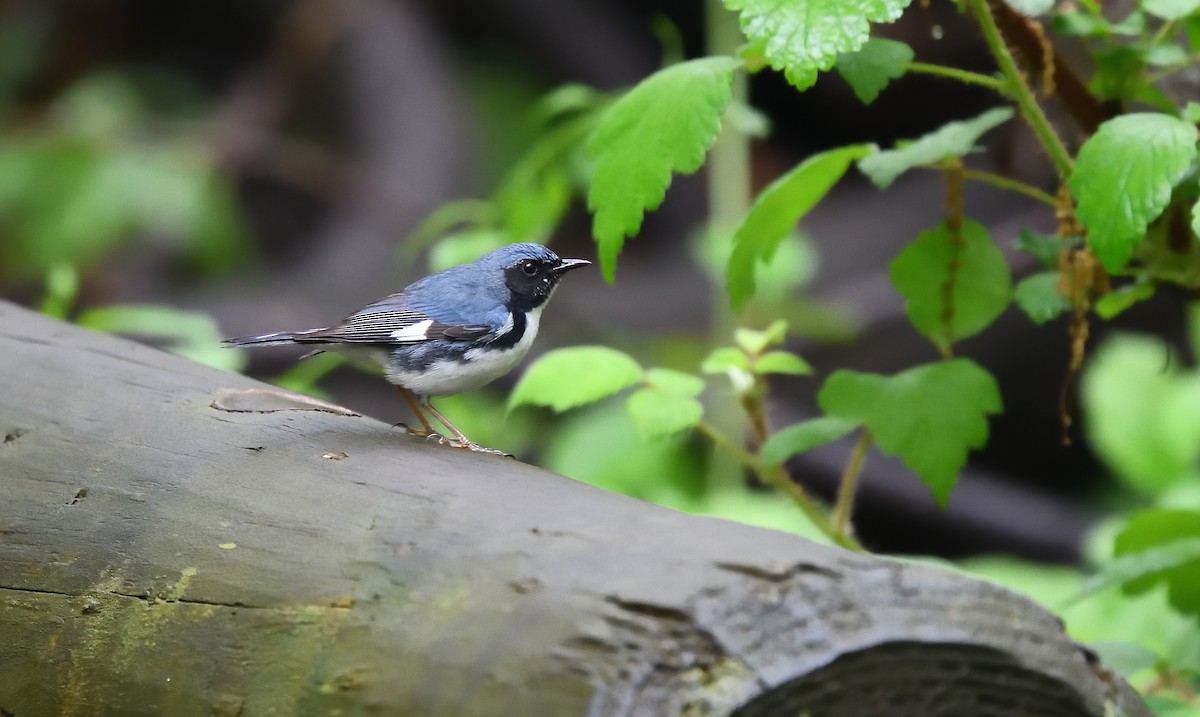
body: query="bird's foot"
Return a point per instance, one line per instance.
(473, 446)
(422, 433)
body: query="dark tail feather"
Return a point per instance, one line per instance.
(279, 338)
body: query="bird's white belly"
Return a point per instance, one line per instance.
(482, 366)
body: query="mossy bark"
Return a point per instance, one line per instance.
(159, 556)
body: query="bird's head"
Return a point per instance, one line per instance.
(531, 272)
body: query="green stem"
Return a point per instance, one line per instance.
(1012, 185)
(846, 489)
(966, 76)
(775, 475)
(729, 195)
(1020, 91)
(1003, 182)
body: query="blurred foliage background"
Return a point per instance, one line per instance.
(179, 172)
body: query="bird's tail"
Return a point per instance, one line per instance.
(279, 338)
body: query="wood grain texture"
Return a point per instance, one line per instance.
(159, 556)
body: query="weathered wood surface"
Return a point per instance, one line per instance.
(162, 557)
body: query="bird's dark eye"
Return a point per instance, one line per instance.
(529, 267)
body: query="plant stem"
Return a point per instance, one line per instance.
(1012, 185)
(729, 194)
(966, 76)
(846, 489)
(1020, 91)
(775, 475)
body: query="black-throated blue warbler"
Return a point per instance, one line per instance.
(450, 332)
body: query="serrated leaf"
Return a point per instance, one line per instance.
(951, 140)
(776, 211)
(1174, 536)
(1038, 297)
(1045, 247)
(800, 37)
(1115, 302)
(571, 377)
(930, 416)
(782, 362)
(874, 66)
(1123, 178)
(1170, 9)
(676, 383)
(974, 270)
(666, 124)
(656, 414)
(804, 436)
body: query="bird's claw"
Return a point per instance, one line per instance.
(473, 446)
(442, 440)
(422, 433)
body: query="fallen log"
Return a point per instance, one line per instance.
(161, 556)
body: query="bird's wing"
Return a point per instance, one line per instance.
(392, 320)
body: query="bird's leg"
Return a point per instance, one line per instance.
(426, 429)
(462, 440)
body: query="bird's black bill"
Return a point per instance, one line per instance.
(566, 265)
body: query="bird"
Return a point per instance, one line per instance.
(448, 333)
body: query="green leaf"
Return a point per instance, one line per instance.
(676, 383)
(1170, 9)
(1142, 416)
(777, 210)
(800, 37)
(930, 416)
(531, 207)
(190, 334)
(732, 362)
(1167, 542)
(1191, 112)
(1166, 55)
(782, 362)
(1123, 179)
(755, 342)
(666, 124)
(804, 436)
(951, 140)
(974, 270)
(875, 65)
(1125, 658)
(725, 358)
(1115, 302)
(1196, 218)
(1038, 297)
(464, 247)
(1118, 73)
(1031, 8)
(571, 377)
(1146, 564)
(1046, 247)
(656, 414)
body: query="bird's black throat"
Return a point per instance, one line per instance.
(512, 336)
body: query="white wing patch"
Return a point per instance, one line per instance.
(413, 333)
